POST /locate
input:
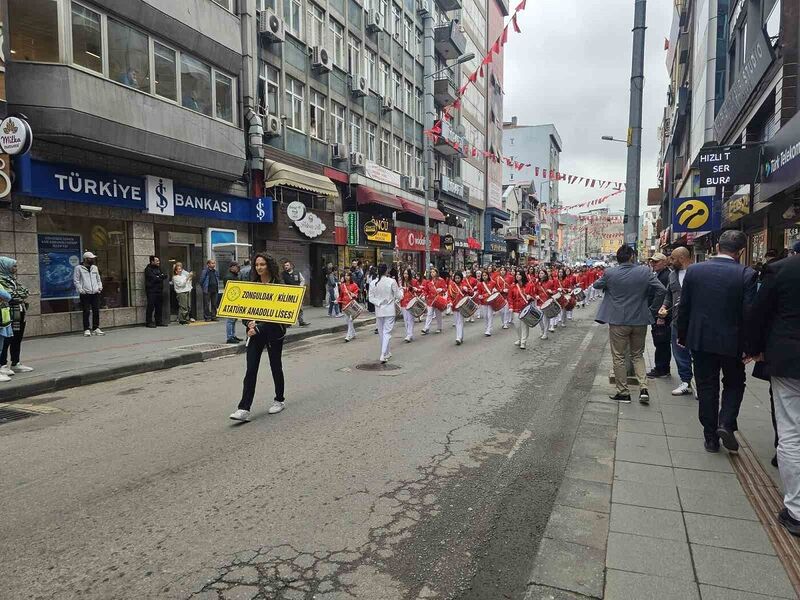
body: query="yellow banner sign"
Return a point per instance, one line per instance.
(267, 302)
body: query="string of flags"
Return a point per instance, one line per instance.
(595, 202)
(552, 175)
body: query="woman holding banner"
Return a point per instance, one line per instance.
(263, 336)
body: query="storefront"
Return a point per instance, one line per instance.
(370, 238)
(494, 249)
(780, 181)
(410, 244)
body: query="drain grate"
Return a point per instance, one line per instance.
(204, 347)
(376, 366)
(12, 414)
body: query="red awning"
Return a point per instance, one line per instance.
(418, 209)
(473, 243)
(365, 195)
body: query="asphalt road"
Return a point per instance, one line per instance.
(433, 480)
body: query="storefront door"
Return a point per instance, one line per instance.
(321, 256)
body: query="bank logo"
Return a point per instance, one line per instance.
(162, 201)
(260, 213)
(160, 196)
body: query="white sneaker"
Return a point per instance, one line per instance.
(20, 368)
(388, 356)
(552, 329)
(438, 331)
(4, 377)
(6, 370)
(241, 415)
(275, 408)
(98, 331)
(87, 333)
(563, 324)
(522, 346)
(684, 389)
(408, 339)
(516, 342)
(347, 338)
(383, 360)
(544, 336)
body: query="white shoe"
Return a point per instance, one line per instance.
(488, 334)
(563, 324)
(544, 336)
(347, 338)
(552, 329)
(438, 331)
(276, 407)
(522, 346)
(241, 415)
(388, 356)
(383, 360)
(684, 389)
(87, 333)
(458, 342)
(471, 320)
(98, 331)
(4, 377)
(6, 370)
(569, 318)
(516, 342)
(505, 326)
(20, 368)
(408, 339)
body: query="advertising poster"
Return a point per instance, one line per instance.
(59, 254)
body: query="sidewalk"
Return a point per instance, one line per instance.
(71, 360)
(645, 513)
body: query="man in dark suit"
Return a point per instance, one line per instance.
(774, 335)
(660, 330)
(715, 297)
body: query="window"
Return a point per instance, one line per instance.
(397, 21)
(226, 4)
(355, 132)
(292, 11)
(420, 115)
(337, 34)
(409, 160)
(410, 105)
(337, 123)
(397, 154)
(265, 4)
(166, 71)
(397, 89)
(386, 158)
(316, 115)
(408, 35)
(420, 169)
(273, 90)
(369, 141)
(418, 43)
(87, 43)
(354, 47)
(386, 79)
(315, 21)
(386, 12)
(34, 30)
(294, 104)
(371, 69)
(223, 97)
(195, 85)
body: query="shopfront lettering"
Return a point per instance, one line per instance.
(202, 203)
(77, 184)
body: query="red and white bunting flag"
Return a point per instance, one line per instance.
(514, 23)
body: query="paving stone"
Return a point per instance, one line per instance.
(588, 495)
(650, 522)
(679, 415)
(643, 448)
(745, 571)
(601, 407)
(541, 592)
(641, 440)
(570, 567)
(710, 592)
(684, 430)
(599, 431)
(621, 585)
(717, 484)
(628, 471)
(578, 526)
(653, 556)
(636, 412)
(736, 506)
(684, 444)
(704, 461)
(591, 469)
(633, 426)
(599, 418)
(650, 495)
(593, 447)
(723, 532)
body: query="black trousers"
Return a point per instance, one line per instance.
(707, 369)
(12, 345)
(154, 302)
(663, 354)
(255, 348)
(90, 302)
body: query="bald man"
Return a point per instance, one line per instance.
(680, 259)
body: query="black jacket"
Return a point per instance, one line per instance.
(716, 296)
(153, 276)
(292, 278)
(774, 324)
(663, 277)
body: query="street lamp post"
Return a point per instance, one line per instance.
(633, 176)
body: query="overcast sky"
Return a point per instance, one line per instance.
(571, 66)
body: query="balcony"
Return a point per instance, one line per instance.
(444, 143)
(450, 4)
(450, 40)
(444, 88)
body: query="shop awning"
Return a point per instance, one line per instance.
(276, 174)
(365, 195)
(473, 243)
(418, 209)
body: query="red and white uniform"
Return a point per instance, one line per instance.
(432, 288)
(347, 293)
(536, 290)
(410, 291)
(485, 289)
(570, 281)
(517, 297)
(551, 286)
(510, 279)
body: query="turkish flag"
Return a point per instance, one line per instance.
(514, 23)
(520, 6)
(504, 36)
(496, 47)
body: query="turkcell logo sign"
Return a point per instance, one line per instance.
(160, 197)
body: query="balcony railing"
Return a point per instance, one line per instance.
(444, 88)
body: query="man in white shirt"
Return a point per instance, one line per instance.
(88, 284)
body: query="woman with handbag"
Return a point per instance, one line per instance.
(19, 306)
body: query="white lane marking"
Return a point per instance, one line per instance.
(523, 437)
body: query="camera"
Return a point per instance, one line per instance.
(27, 211)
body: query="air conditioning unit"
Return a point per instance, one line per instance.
(357, 159)
(272, 126)
(387, 103)
(358, 85)
(339, 151)
(374, 21)
(270, 25)
(424, 7)
(320, 59)
(417, 185)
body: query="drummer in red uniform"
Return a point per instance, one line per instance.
(486, 288)
(411, 289)
(348, 291)
(472, 279)
(458, 288)
(535, 289)
(570, 282)
(501, 285)
(432, 289)
(551, 287)
(517, 300)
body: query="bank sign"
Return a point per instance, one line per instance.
(155, 195)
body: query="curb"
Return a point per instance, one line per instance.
(168, 360)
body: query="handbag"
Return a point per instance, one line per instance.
(5, 316)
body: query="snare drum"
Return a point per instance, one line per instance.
(531, 315)
(550, 309)
(572, 302)
(560, 299)
(467, 307)
(579, 294)
(496, 301)
(439, 303)
(416, 307)
(353, 309)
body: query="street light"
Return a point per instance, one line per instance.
(611, 138)
(460, 60)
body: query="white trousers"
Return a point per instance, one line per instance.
(786, 392)
(408, 319)
(507, 315)
(432, 312)
(482, 311)
(459, 319)
(544, 324)
(351, 329)
(523, 331)
(489, 318)
(385, 326)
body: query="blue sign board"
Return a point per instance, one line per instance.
(59, 254)
(75, 184)
(695, 215)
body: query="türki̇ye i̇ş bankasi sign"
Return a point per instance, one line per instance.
(271, 303)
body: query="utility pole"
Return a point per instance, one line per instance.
(632, 180)
(429, 66)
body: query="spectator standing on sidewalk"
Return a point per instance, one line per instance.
(681, 259)
(18, 305)
(244, 272)
(182, 284)
(230, 324)
(209, 281)
(774, 334)
(153, 287)
(6, 330)
(292, 277)
(631, 293)
(661, 328)
(88, 284)
(715, 298)
(332, 283)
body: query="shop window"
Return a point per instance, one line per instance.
(34, 30)
(195, 85)
(223, 96)
(87, 39)
(128, 56)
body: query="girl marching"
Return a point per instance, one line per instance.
(457, 289)
(348, 291)
(411, 289)
(518, 299)
(535, 290)
(485, 289)
(502, 285)
(434, 290)
(550, 286)
(570, 282)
